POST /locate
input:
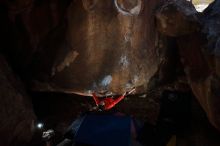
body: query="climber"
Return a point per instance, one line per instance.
(109, 102)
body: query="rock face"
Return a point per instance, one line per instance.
(80, 46)
(177, 18)
(25, 24)
(211, 29)
(199, 53)
(108, 47)
(17, 117)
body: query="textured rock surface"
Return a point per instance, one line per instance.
(99, 46)
(16, 113)
(26, 24)
(103, 50)
(211, 29)
(199, 55)
(176, 18)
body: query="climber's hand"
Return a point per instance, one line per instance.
(129, 92)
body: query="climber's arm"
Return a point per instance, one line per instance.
(117, 100)
(96, 99)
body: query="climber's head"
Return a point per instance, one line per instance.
(101, 106)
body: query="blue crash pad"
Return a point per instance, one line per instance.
(105, 130)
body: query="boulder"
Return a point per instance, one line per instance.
(176, 18)
(106, 47)
(16, 114)
(197, 38)
(25, 25)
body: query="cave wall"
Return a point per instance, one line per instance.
(16, 112)
(78, 47)
(83, 46)
(197, 38)
(201, 66)
(25, 24)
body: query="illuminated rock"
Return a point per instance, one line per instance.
(107, 47)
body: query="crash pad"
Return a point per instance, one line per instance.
(104, 130)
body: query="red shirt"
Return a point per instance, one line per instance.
(109, 102)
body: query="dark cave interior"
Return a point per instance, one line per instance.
(56, 54)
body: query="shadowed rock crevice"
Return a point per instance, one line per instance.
(17, 116)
